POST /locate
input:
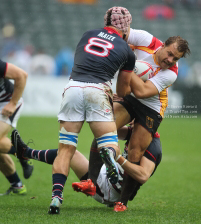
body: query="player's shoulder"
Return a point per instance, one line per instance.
(140, 32)
(139, 37)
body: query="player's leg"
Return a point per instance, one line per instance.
(79, 164)
(99, 114)
(7, 167)
(146, 124)
(25, 152)
(67, 145)
(5, 144)
(139, 141)
(95, 162)
(122, 116)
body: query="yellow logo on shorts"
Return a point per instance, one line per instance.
(149, 122)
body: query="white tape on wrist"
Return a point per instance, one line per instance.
(118, 157)
(124, 162)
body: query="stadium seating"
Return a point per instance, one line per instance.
(54, 25)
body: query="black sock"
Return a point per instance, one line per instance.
(14, 180)
(46, 156)
(95, 162)
(85, 177)
(129, 188)
(58, 181)
(12, 150)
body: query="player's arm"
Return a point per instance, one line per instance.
(153, 86)
(123, 86)
(19, 76)
(142, 89)
(141, 172)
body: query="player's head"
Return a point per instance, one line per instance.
(172, 50)
(120, 18)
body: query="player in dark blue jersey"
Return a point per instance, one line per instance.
(10, 108)
(88, 96)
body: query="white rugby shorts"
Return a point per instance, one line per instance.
(86, 101)
(12, 121)
(110, 194)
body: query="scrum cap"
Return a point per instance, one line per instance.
(119, 17)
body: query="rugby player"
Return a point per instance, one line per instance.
(10, 108)
(148, 100)
(88, 95)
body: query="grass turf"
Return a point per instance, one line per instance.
(172, 195)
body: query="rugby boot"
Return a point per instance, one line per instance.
(16, 191)
(54, 206)
(21, 147)
(85, 186)
(119, 207)
(111, 166)
(27, 166)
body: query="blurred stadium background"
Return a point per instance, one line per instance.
(41, 37)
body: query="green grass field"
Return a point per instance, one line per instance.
(172, 195)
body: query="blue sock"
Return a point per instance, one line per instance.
(58, 181)
(12, 150)
(14, 180)
(46, 156)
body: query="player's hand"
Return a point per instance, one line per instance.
(117, 98)
(132, 47)
(9, 109)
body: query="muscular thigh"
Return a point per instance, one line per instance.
(139, 141)
(4, 129)
(101, 128)
(122, 116)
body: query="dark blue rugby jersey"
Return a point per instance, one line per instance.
(6, 87)
(99, 55)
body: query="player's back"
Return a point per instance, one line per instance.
(99, 54)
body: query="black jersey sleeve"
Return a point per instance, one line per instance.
(130, 63)
(3, 66)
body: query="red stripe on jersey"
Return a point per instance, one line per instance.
(155, 43)
(127, 70)
(151, 155)
(174, 69)
(111, 31)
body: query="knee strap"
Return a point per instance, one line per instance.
(68, 138)
(106, 139)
